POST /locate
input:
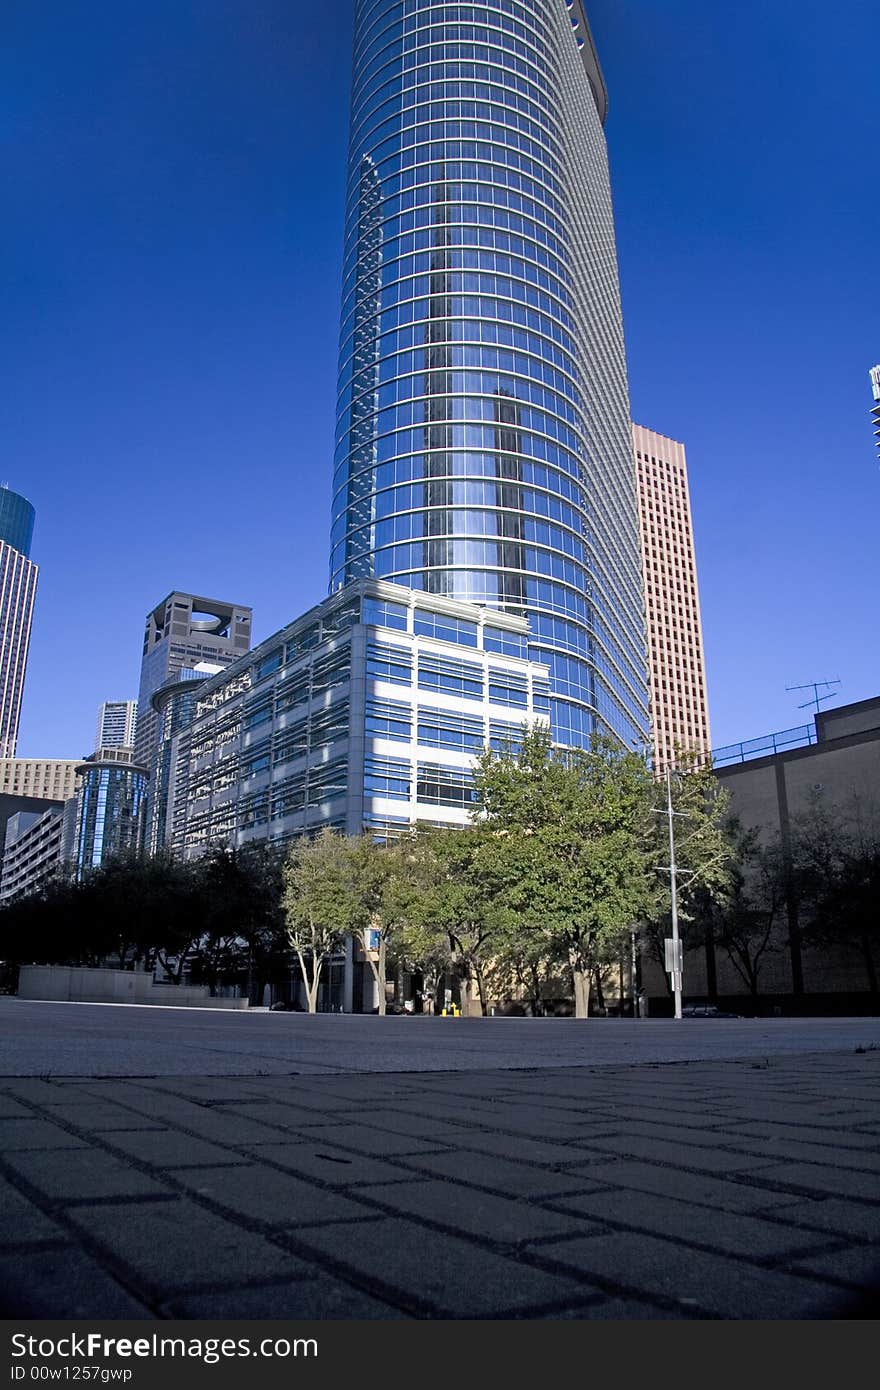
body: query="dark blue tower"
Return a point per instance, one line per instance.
(16, 521)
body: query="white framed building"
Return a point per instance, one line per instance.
(365, 714)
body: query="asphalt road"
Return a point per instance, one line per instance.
(58, 1040)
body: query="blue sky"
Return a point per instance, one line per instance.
(171, 248)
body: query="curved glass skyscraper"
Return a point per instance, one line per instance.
(483, 446)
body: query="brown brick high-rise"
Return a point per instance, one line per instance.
(677, 671)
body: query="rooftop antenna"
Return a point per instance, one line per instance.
(817, 698)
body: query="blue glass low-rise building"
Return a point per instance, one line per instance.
(103, 820)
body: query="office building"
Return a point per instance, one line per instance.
(182, 631)
(483, 445)
(32, 852)
(53, 779)
(365, 713)
(875, 409)
(116, 724)
(28, 806)
(677, 668)
(18, 587)
(174, 704)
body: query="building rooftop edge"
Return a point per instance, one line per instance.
(381, 588)
(817, 738)
(40, 759)
(89, 764)
(648, 429)
(591, 62)
(201, 598)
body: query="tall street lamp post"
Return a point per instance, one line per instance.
(674, 955)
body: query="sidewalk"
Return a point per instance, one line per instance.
(725, 1189)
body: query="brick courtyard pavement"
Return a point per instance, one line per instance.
(743, 1188)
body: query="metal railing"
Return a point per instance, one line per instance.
(764, 747)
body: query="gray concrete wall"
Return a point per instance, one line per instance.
(861, 718)
(85, 985)
(770, 795)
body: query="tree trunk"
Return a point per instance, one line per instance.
(537, 1009)
(600, 997)
(869, 963)
(711, 966)
(471, 1006)
(311, 986)
(379, 972)
(581, 991)
(429, 990)
(481, 988)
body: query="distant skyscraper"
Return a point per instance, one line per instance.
(182, 631)
(483, 441)
(875, 409)
(679, 706)
(116, 724)
(18, 587)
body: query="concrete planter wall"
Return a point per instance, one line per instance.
(87, 985)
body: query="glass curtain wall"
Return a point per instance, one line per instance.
(483, 442)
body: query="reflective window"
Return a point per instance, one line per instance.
(444, 786)
(388, 719)
(444, 629)
(381, 613)
(388, 778)
(505, 643)
(508, 687)
(447, 729)
(387, 663)
(452, 677)
(268, 664)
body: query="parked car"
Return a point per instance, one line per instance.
(705, 1011)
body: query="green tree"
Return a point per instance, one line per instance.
(570, 837)
(317, 904)
(241, 890)
(836, 854)
(461, 905)
(748, 916)
(384, 884)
